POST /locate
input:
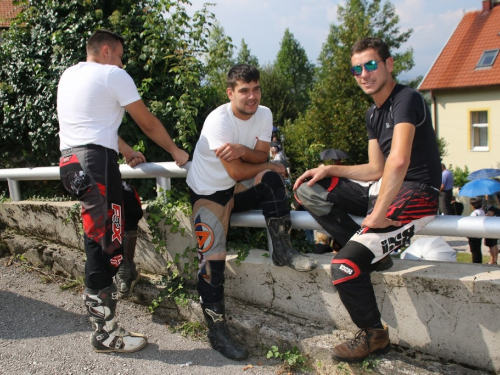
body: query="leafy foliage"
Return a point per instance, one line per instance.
(459, 175)
(162, 54)
(296, 70)
(218, 61)
(336, 115)
(245, 56)
(277, 95)
(292, 359)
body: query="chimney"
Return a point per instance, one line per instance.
(486, 5)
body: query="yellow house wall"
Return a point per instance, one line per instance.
(452, 110)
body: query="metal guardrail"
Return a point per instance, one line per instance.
(442, 225)
(454, 226)
(162, 171)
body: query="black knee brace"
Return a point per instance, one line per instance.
(132, 207)
(211, 281)
(350, 262)
(272, 193)
(350, 271)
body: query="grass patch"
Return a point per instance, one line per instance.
(466, 257)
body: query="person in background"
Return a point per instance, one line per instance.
(492, 243)
(457, 207)
(92, 97)
(475, 243)
(446, 191)
(396, 192)
(277, 155)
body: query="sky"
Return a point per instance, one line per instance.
(262, 24)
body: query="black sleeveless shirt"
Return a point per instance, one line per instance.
(405, 104)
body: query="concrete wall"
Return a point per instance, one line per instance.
(444, 309)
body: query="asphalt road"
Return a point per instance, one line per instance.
(44, 330)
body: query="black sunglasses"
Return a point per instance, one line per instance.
(370, 66)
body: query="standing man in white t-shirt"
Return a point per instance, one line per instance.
(229, 173)
(92, 97)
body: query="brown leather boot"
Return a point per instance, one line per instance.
(366, 342)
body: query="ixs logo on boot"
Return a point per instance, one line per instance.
(393, 243)
(116, 222)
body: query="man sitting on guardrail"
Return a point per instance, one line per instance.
(399, 196)
(229, 173)
(91, 99)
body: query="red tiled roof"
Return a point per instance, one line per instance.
(7, 12)
(456, 65)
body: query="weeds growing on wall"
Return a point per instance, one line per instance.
(162, 213)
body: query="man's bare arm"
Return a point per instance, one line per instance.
(364, 172)
(240, 170)
(155, 130)
(131, 156)
(232, 151)
(395, 169)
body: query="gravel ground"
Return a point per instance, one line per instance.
(44, 330)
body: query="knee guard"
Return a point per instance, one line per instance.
(272, 195)
(353, 260)
(211, 281)
(273, 180)
(132, 207)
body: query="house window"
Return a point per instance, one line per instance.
(487, 59)
(479, 130)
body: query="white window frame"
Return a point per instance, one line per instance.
(474, 126)
(485, 54)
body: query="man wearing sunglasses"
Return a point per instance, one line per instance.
(396, 191)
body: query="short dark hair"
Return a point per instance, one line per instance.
(242, 72)
(476, 203)
(102, 37)
(377, 44)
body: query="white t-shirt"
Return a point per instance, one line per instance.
(207, 174)
(478, 212)
(90, 101)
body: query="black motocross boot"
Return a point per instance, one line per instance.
(218, 333)
(108, 336)
(283, 252)
(128, 275)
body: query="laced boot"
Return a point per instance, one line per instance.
(283, 252)
(128, 275)
(366, 341)
(218, 333)
(108, 336)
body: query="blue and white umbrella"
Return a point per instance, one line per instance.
(480, 187)
(484, 173)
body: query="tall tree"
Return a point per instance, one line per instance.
(277, 95)
(297, 70)
(219, 60)
(336, 116)
(245, 56)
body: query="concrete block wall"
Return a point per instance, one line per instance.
(448, 310)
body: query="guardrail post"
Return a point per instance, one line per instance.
(14, 190)
(162, 184)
